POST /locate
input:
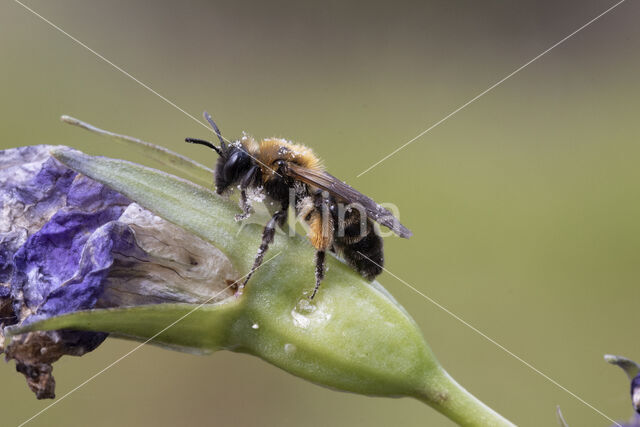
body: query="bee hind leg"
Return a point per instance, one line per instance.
(320, 258)
(321, 229)
(268, 233)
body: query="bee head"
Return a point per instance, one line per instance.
(234, 161)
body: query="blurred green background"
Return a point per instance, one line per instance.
(524, 205)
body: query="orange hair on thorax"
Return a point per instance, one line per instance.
(269, 150)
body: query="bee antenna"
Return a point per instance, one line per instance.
(207, 116)
(205, 143)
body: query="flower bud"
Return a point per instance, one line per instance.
(353, 336)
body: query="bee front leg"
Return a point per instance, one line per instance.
(268, 233)
(245, 206)
(248, 180)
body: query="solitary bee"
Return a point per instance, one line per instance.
(339, 218)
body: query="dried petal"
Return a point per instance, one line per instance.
(169, 265)
(68, 243)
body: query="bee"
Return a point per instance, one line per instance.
(338, 217)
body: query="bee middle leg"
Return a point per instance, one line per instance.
(268, 233)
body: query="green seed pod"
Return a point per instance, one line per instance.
(353, 336)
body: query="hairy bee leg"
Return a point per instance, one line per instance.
(320, 257)
(245, 206)
(268, 233)
(247, 180)
(322, 229)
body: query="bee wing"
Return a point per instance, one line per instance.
(343, 191)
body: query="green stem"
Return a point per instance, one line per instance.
(440, 391)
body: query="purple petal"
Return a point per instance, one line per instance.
(69, 243)
(50, 258)
(33, 187)
(52, 261)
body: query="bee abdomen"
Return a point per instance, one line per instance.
(365, 255)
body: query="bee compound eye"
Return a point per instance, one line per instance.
(234, 164)
(229, 167)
